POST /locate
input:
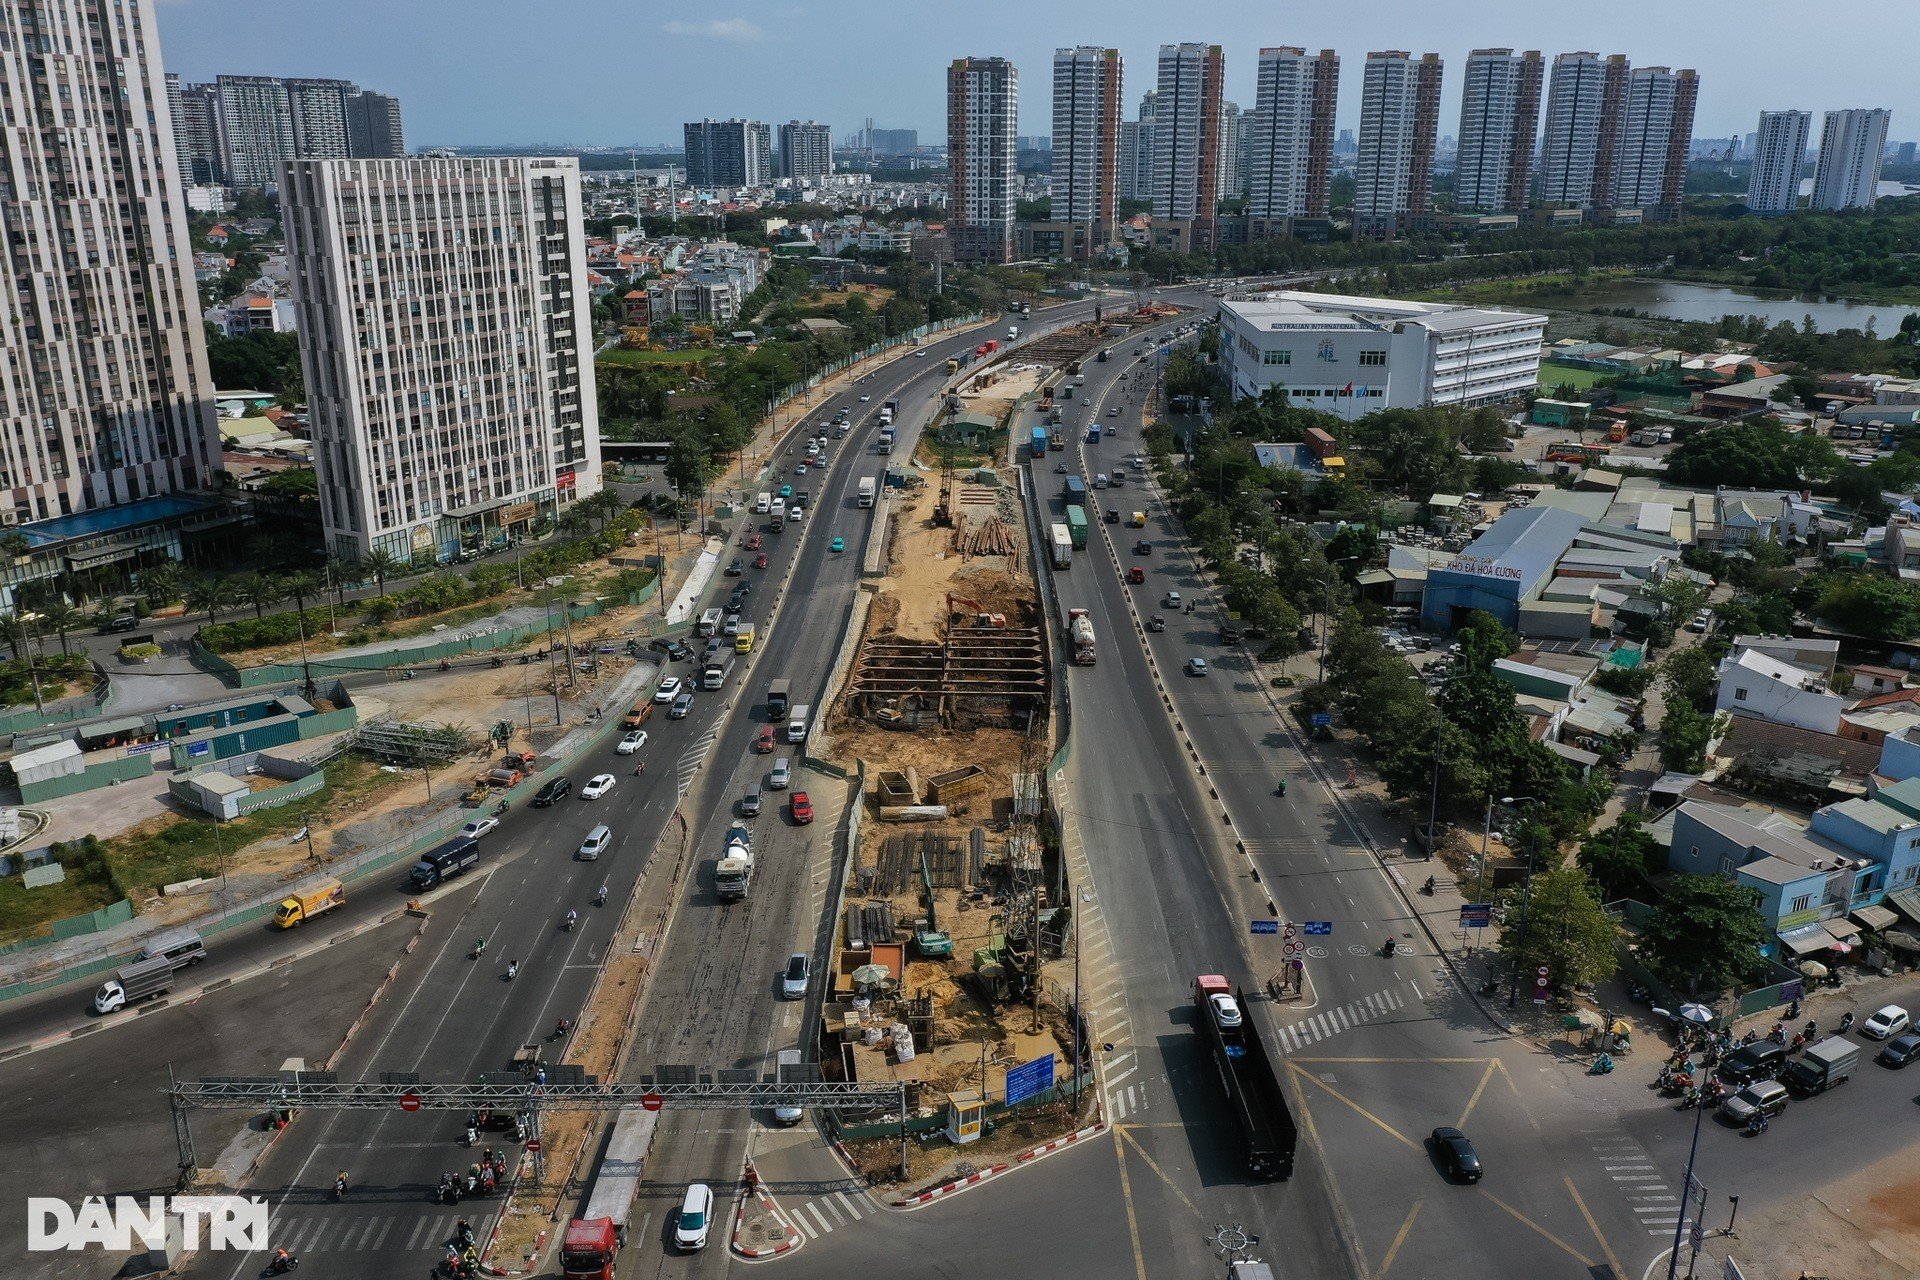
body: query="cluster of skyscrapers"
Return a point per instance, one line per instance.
(1847, 175)
(238, 130)
(740, 153)
(1616, 136)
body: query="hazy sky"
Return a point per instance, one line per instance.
(604, 72)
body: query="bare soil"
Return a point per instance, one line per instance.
(923, 569)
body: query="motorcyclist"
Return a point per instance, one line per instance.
(1427, 888)
(600, 898)
(1282, 789)
(573, 918)
(340, 1184)
(1846, 1020)
(479, 946)
(513, 969)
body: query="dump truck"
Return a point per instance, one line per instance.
(1061, 543)
(734, 871)
(1077, 527)
(1080, 636)
(593, 1240)
(304, 904)
(1268, 1134)
(1823, 1066)
(138, 981)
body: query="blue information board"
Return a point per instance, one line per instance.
(1319, 928)
(1265, 926)
(1029, 1079)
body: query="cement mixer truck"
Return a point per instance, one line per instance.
(1080, 636)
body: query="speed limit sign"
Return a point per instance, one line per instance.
(1293, 948)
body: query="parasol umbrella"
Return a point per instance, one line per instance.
(1698, 1014)
(871, 975)
(1840, 948)
(1814, 969)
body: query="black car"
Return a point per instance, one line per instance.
(1229, 634)
(1457, 1155)
(736, 567)
(1112, 517)
(554, 790)
(1899, 1051)
(1143, 548)
(674, 650)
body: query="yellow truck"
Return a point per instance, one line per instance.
(1138, 520)
(305, 904)
(743, 638)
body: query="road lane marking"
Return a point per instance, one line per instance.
(1478, 1089)
(1133, 1220)
(1317, 1082)
(1572, 1252)
(1594, 1227)
(1393, 1251)
(1126, 1136)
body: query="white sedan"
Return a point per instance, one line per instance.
(597, 786)
(864, 399)
(479, 827)
(631, 742)
(669, 686)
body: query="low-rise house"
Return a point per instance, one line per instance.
(1755, 685)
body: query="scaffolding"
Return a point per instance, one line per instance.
(976, 675)
(411, 746)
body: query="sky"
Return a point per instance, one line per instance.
(629, 72)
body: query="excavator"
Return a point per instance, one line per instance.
(980, 617)
(931, 941)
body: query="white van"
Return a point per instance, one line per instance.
(595, 844)
(797, 723)
(178, 947)
(763, 504)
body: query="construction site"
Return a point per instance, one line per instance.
(956, 897)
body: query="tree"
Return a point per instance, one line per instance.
(1872, 605)
(1689, 676)
(382, 565)
(62, 617)
(259, 590)
(1682, 595)
(159, 582)
(302, 586)
(1566, 930)
(209, 594)
(1620, 859)
(1685, 734)
(1706, 933)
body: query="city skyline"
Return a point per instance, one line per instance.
(748, 60)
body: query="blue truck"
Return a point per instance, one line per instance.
(1037, 445)
(1075, 490)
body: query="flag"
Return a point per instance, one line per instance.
(1347, 390)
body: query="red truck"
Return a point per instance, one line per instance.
(592, 1244)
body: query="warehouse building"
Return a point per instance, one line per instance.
(1546, 573)
(1355, 356)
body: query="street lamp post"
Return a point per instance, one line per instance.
(1326, 614)
(1686, 1195)
(1526, 898)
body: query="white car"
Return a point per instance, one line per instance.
(1172, 600)
(793, 983)
(479, 827)
(631, 742)
(1226, 1010)
(1885, 1023)
(695, 1219)
(864, 399)
(918, 354)
(597, 786)
(1196, 666)
(668, 687)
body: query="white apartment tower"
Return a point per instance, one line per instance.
(1779, 150)
(104, 393)
(1851, 144)
(256, 128)
(806, 150)
(1289, 152)
(1188, 145)
(1499, 116)
(1580, 147)
(983, 108)
(1399, 118)
(1657, 128)
(319, 111)
(1136, 150)
(446, 341)
(1086, 136)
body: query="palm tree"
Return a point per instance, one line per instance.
(62, 617)
(209, 594)
(159, 582)
(382, 565)
(259, 590)
(303, 586)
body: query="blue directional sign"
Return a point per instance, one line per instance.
(1476, 915)
(1266, 926)
(1029, 1079)
(1322, 719)
(1323, 928)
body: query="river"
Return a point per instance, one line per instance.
(1701, 302)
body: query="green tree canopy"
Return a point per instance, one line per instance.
(1756, 455)
(1706, 934)
(1565, 929)
(1620, 858)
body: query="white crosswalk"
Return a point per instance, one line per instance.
(1324, 1025)
(370, 1233)
(820, 1215)
(1649, 1196)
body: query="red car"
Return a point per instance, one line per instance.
(752, 543)
(760, 561)
(1136, 574)
(802, 807)
(763, 742)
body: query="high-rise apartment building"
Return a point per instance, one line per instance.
(983, 109)
(1188, 146)
(1851, 145)
(196, 132)
(1240, 144)
(1232, 153)
(447, 344)
(893, 142)
(319, 111)
(256, 129)
(1136, 150)
(1499, 117)
(1086, 136)
(806, 150)
(374, 131)
(728, 153)
(1289, 154)
(1586, 112)
(1779, 151)
(104, 393)
(1658, 126)
(1399, 121)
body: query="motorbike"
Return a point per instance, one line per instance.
(1812, 1030)
(1637, 993)
(1750, 1037)
(445, 665)
(1689, 1099)
(513, 970)
(281, 1265)
(499, 662)
(407, 674)
(519, 1128)
(1490, 987)
(568, 923)
(502, 807)
(1846, 1021)
(473, 1182)
(473, 1133)
(1387, 947)
(1757, 1123)
(600, 898)
(1427, 888)
(1281, 790)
